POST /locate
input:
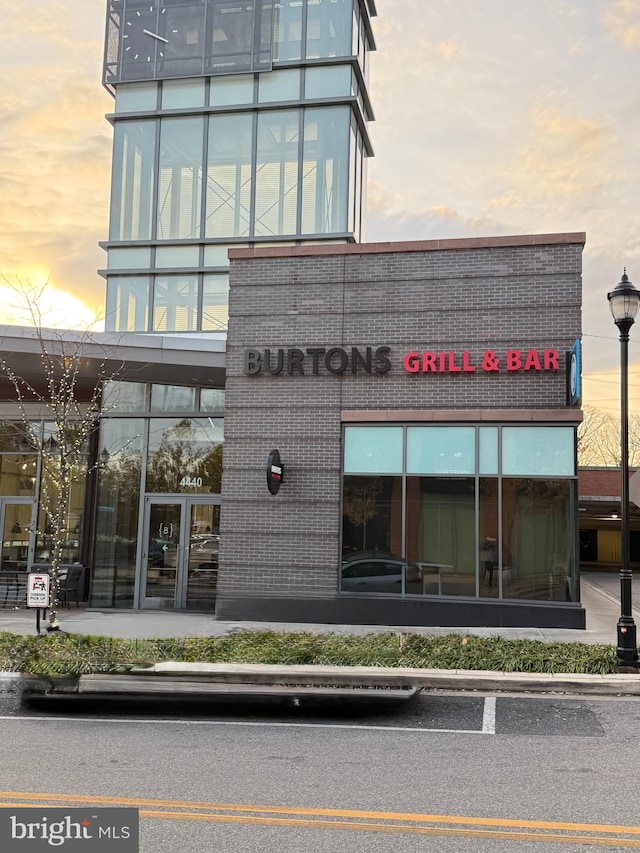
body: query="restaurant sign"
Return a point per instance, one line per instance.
(492, 361)
(340, 360)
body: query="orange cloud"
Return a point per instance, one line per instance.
(54, 179)
(622, 22)
(54, 149)
(566, 155)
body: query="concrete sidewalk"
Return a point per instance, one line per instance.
(600, 598)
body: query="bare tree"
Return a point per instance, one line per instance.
(67, 391)
(599, 439)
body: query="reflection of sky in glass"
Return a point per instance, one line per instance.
(199, 433)
(121, 436)
(441, 450)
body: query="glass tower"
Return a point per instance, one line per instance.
(236, 123)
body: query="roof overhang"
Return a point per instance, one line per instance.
(198, 359)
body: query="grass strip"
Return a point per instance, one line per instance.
(77, 654)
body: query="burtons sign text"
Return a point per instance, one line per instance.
(339, 360)
(334, 360)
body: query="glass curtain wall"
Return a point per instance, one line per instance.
(229, 175)
(175, 303)
(325, 170)
(462, 510)
(281, 164)
(140, 453)
(277, 173)
(180, 178)
(133, 180)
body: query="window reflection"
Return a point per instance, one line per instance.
(277, 173)
(212, 400)
(537, 539)
(18, 474)
(477, 535)
(372, 535)
(172, 398)
(180, 178)
(325, 193)
(127, 308)
(441, 535)
(329, 28)
(489, 538)
(185, 455)
(72, 520)
(133, 180)
(124, 396)
(175, 303)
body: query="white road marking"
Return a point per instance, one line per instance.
(244, 723)
(489, 716)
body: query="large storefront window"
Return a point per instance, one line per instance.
(51, 515)
(372, 535)
(460, 511)
(441, 535)
(73, 521)
(120, 467)
(538, 539)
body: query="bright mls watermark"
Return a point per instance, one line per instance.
(83, 830)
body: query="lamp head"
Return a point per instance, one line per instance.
(624, 301)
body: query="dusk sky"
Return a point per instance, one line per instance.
(492, 117)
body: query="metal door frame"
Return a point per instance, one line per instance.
(182, 561)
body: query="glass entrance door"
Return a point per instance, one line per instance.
(15, 523)
(180, 556)
(202, 564)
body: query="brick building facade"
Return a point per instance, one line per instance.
(295, 383)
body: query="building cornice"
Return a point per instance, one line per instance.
(455, 244)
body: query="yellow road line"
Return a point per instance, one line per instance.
(389, 828)
(321, 812)
(398, 829)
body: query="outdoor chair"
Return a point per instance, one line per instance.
(70, 580)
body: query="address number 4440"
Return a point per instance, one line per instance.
(191, 482)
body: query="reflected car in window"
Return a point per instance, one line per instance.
(204, 549)
(203, 554)
(374, 572)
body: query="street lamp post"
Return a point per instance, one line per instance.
(624, 301)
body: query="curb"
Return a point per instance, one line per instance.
(187, 679)
(427, 679)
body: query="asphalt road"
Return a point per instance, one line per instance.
(457, 772)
